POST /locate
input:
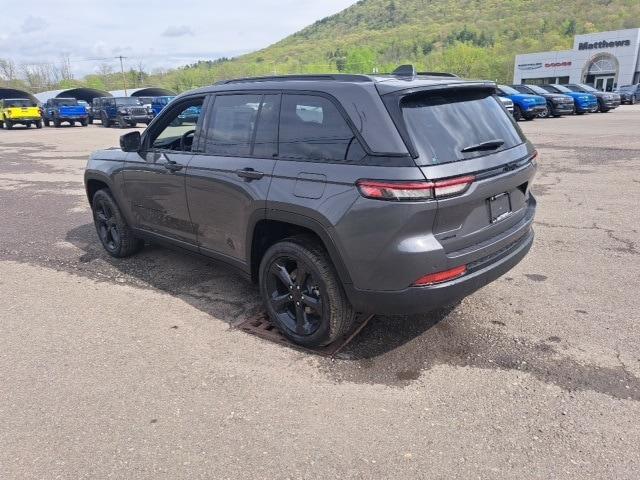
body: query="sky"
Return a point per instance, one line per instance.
(154, 33)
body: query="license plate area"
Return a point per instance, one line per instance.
(499, 207)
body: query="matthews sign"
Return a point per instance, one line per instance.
(604, 44)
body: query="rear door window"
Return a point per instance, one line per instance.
(312, 128)
(450, 126)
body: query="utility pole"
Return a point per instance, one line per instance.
(124, 77)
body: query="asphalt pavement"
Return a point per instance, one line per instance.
(130, 369)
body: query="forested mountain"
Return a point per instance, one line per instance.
(473, 38)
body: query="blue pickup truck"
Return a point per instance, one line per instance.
(60, 110)
(524, 105)
(584, 102)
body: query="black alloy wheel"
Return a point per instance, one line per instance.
(303, 293)
(295, 295)
(114, 233)
(106, 225)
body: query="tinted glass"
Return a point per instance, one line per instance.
(64, 102)
(312, 128)
(521, 89)
(232, 123)
(180, 127)
(442, 124)
(266, 136)
(574, 88)
(561, 89)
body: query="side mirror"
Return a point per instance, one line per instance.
(130, 142)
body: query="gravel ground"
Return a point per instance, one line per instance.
(130, 368)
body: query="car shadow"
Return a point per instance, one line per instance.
(221, 291)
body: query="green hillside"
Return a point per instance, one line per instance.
(473, 38)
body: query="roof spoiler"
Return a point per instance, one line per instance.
(410, 71)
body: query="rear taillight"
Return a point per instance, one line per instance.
(414, 190)
(452, 186)
(398, 191)
(440, 277)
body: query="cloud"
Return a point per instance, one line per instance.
(33, 24)
(177, 31)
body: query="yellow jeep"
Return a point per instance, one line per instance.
(22, 111)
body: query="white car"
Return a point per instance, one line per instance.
(508, 104)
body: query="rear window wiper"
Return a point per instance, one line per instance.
(489, 145)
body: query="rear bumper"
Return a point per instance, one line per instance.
(414, 300)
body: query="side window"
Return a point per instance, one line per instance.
(179, 127)
(265, 142)
(232, 123)
(312, 128)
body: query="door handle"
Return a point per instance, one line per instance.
(173, 166)
(249, 174)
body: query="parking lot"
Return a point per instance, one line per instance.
(131, 368)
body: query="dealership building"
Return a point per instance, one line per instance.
(604, 60)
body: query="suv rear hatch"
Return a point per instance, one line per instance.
(463, 139)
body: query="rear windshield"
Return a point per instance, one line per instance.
(19, 103)
(65, 102)
(446, 126)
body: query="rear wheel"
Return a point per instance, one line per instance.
(39, 124)
(84, 123)
(8, 124)
(633, 100)
(121, 122)
(105, 121)
(303, 294)
(517, 113)
(56, 122)
(114, 233)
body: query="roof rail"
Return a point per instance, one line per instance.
(410, 71)
(438, 74)
(344, 77)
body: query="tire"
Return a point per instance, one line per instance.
(121, 122)
(546, 113)
(580, 113)
(27, 124)
(633, 100)
(39, 124)
(132, 124)
(47, 123)
(105, 121)
(517, 113)
(114, 233)
(331, 315)
(84, 123)
(8, 124)
(56, 122)
(90, 120)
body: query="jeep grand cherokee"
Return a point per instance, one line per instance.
(338, 194)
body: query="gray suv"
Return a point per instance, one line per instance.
(337, 194)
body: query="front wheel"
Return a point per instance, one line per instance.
(114, 233)
(545, 113)
(517, 113)
(303, 294)
(39, 124)
(56, 122)
(8, 124)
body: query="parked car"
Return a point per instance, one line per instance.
(57, 111)
(123, 112)
(19, 111)
(557, 104)
(421, 204)
(607, 101)
(508, 104)
(158, 103)
(525, 106)
(629, 93)
(583, 102)
(89, 109)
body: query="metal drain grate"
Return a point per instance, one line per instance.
(260, 326)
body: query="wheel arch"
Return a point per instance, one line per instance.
(266, 231)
